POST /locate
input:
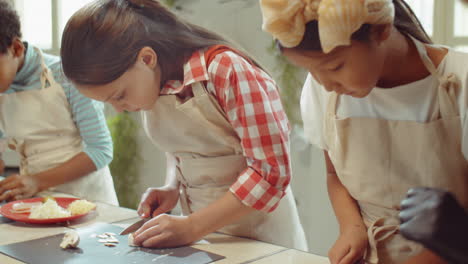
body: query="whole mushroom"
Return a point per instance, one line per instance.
(71, 239)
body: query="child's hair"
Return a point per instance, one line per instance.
(405, 21)
(10, 27)
(102, 40)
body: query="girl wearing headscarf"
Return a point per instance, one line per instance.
(387, 107)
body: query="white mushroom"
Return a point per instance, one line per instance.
(70, 240)
(130, 240)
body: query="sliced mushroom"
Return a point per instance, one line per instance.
(112, 240)
(71, 239)
(109, 245)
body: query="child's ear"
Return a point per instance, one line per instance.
(148, 56)
(381, 33)
(18, 47)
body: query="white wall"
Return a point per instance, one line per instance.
(241, 21)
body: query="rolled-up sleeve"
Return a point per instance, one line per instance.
(252, 103)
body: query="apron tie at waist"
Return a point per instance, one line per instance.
(379, 232)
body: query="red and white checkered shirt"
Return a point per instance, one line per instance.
(251, 101)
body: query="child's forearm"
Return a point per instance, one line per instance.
(222, 212)
(424, 257)
(78, 166)
(345, 207)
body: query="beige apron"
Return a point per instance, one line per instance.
(379, 160)
(210, 159)
(39, 126)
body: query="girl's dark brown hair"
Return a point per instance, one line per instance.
(102, 40)
(405, 21)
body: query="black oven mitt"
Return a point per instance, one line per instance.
(435, 219)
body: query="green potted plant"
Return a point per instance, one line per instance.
(289, 79)
(126, 163)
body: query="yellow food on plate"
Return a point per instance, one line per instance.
(49, 209)
(80, 207)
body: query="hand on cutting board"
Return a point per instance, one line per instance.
(16, 187)
(350, 246)
(156, 201)
(165, 231)
(435, 219)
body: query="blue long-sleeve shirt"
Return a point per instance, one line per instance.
(87, 113)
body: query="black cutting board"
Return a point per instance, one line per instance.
(47, 250)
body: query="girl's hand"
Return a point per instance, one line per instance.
(16, 187)
(165, 231)
(350, 246)
(156, 201)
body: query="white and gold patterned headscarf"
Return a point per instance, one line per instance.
(337, 19)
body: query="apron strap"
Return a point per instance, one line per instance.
(198, 89)
(329, 118)
(332, 103)
(425, 58)
(46, 74)
(448, 85)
